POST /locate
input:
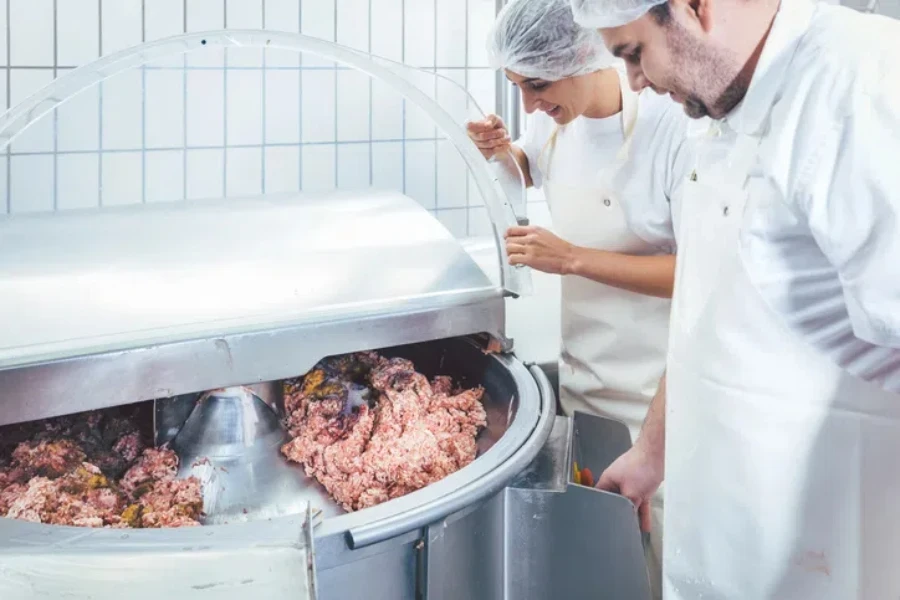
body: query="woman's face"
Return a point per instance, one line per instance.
(563, 100)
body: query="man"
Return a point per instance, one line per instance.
(782, 430)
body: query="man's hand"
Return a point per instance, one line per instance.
(539, 249)
(636, 475)
(490, 135)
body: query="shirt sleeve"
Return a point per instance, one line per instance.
(532, 141)
(656, 167)
(852, 202)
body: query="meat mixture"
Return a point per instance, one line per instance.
(371, 429)
(93, 470)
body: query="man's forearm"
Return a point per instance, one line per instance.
(649, 275)
(653, 432)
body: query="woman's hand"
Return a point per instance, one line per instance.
(490, 135)
(539, 249)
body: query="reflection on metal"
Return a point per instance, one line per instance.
(115, 305)
(231, 442)
(20, 117)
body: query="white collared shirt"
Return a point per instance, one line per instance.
(821, 235)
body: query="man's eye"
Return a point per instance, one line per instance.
(634, 57)
(539, 86)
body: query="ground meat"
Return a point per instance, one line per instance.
(414, 433)
(69, 471)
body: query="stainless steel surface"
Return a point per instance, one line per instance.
(267, 559)
(231, 442)
(574, 542)
(113, 279)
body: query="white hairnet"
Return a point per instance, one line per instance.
(539, 38)
(600, 14)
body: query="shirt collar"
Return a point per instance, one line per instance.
(791, 22)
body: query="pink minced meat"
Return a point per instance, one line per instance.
(92, 471)
(417, 433)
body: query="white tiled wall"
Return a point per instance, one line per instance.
(253, 121)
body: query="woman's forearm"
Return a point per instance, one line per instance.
(522, 159)
(649, 275)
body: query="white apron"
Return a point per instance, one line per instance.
(613, 341)
(780, 465)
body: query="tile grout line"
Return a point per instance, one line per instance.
(436, 99)
(300, 103)
(100, 108)
(337, 161)
(144, 107)
(8, 148)
(225, 58)
(265, 79)
(403, 60)
(184, 110)
(371, 109)
(55, 109)
(468, 106)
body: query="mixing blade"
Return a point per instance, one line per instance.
(231, 442)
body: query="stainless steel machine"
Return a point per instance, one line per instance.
(202, 308)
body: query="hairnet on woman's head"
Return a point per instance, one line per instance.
(539, 38)
(599, 14)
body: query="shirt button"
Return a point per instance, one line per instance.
(725, 211)
(607, 202)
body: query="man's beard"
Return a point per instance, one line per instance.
(718, 72)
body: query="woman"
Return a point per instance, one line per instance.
(586, 133)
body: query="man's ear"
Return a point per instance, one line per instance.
(697, 12)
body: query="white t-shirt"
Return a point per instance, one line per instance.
(583, 148)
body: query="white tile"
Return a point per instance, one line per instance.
(387, 29)
(165, 109)
(353, 105)
(244, 116)
(481, 18)
(474, 194)
(419, 125)
(31, 30)
(420, 173)
(3, 88)
(205, 108)
(452, 95)
(456, 220)
(4, 177)
(317, 99)
(479, 222)
(122, 98)
(121, 179)
(282, 107)
(353, 24)
(282, 15)
(451, 33)
(244, 14)
(282, 169)
(31, 183)
(353, 166)
(243, 172)
(318, 168)
(165, 176)
(38, 137)
(419, 29)
(387, 166)
(78, 181)
(482, 87)
(4, 56)
(387, 108)
(317, 20)
(205, 174)
(206, 15)
(77, 31)
(121, 24)
(163, 18)
(451, 177)
(78, 122)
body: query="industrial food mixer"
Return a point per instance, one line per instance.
(200, 310)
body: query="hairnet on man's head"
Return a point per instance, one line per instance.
(600, 14)
(539, 38)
